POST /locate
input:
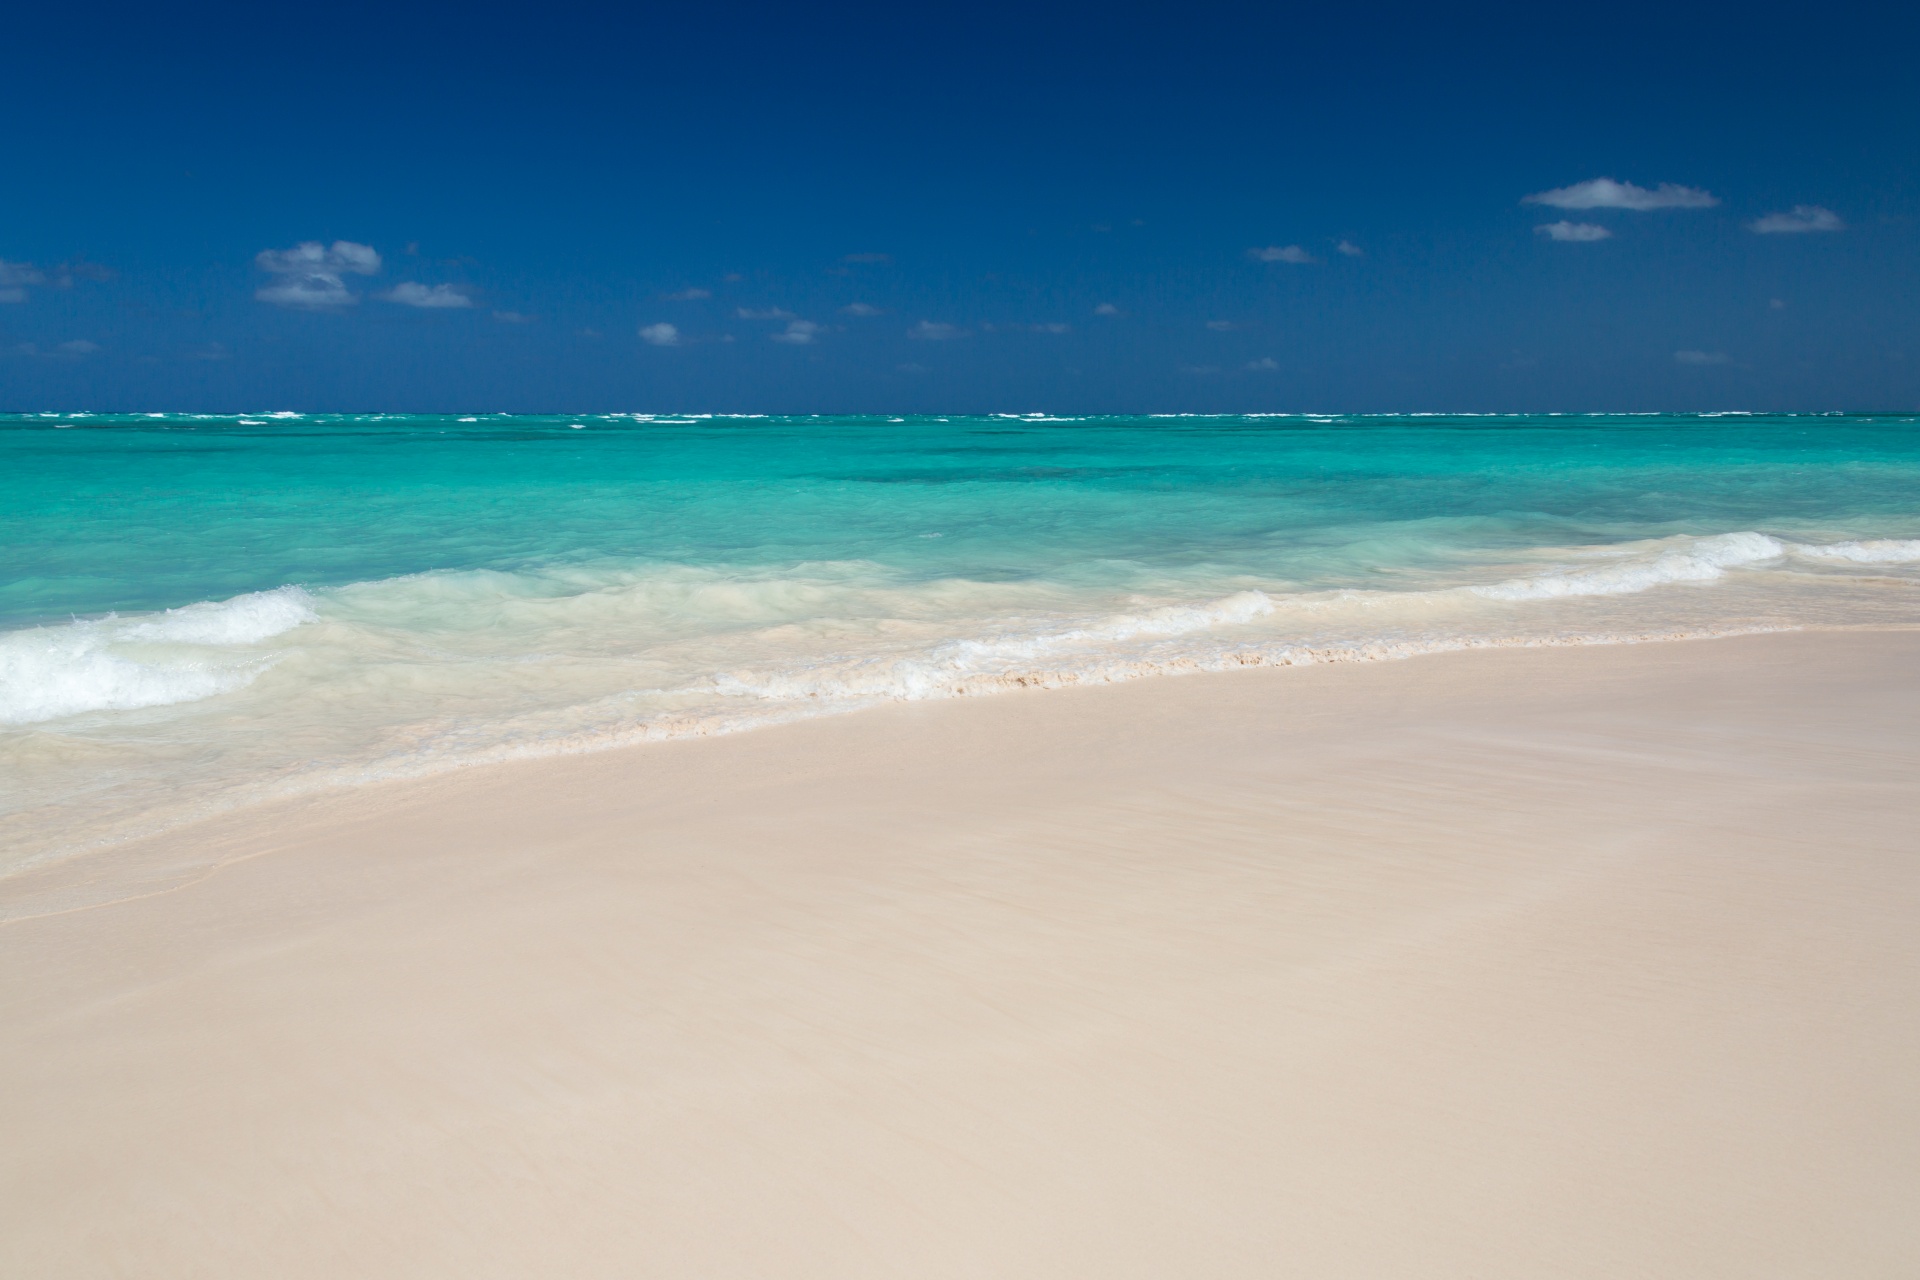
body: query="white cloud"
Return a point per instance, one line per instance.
(15, 277)
(1805, 217)
(688, 295)
(438, 296)
(1605, 193)
(861, 309)
(934, 331)
(765, 313)
(1282, 253)
(1265, 364)
(512, 317)
(799, 333)
(1777, 304)
(212, 351)
(1351, 249)
(661, 335)
(1702, 357)
(1055, 327)
(76, 349)
(1108, 309)
(312, 273)
(1222, 326)
(319, 291)
(1575, 231)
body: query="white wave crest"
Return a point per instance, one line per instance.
(50, 672)
(1695, 560)
(1874, 551)
(949, 668)
(247, 619)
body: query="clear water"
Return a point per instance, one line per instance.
(202, 611)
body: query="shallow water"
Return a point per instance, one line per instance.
(201, 611)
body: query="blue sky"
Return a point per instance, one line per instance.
(1068, 207)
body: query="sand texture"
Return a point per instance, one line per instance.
(1595, 962)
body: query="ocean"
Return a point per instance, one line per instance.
(201, 611)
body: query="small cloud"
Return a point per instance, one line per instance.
(312, 274)
(1804, 217)
(1108, 309)
(1201, 370)
(76, 349)
(1572, 231)
(1702, 357)
(512, 317)
(210, 352)
(799, 333)
(765, 313)
(933, 331)
(732, 277)
(594, 333)
(861, 309)
(15, 277)
(659, 335)
(687, 295)
(1265, 364)
(80, 269)
(1777, 304)
(1055, 327)
(413, 248)
(868, 257)
(1349, 248)
(434, 297)
(1605, 193)
(1282, 253)
(1222, 326)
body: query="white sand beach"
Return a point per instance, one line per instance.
(1583, 962)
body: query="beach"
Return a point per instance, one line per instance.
(1566, 961)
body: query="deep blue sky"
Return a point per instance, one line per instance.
(563, 169)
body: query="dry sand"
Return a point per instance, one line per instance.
(1574, 963)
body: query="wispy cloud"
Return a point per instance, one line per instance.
(15, 277)
(1265, 364)
(661, 335)
(764, 313)
(1282, 253)
(798, 333)
(210, 352)
(1605, 193)
(312, 276)
(1349, 248)
(75, 349)
(868, 257)
(935, 331)
(1575, 231)
(1702, 357)
(1108, 309)
(1222, 326)
(1051, 327)
(434, 297)
(1803, 217)
(688, 295)
(512, 317)
(861, 309)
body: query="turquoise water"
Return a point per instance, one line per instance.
(200, 611)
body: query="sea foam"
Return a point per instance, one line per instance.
(124, 664)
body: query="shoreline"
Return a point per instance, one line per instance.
(155, 827)
(1585, 960)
